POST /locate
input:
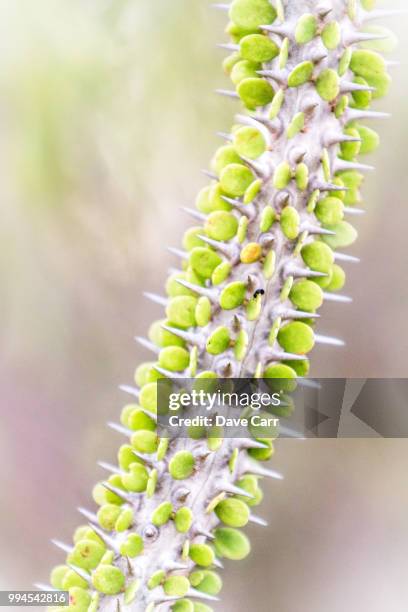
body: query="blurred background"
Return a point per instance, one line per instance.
(107, 114)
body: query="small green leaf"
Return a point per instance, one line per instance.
(176, 586)
(250, 14)
(144, 441)
(181, 465)
(346, 234)
(221, 225)
(289, 222)
(235, 179)
(219, 341)
(232, 512)
(296, 338)
(306, 295)
(329, 210)
(183, 519)
(331, 35)
(203, 311)
(258, 48)
(301, 74)
(201, 554)
(255, 92)
(162, 514)
(282, 175)
(306, 29)
(232, 295)
(203, 261)
(108, 579)
(296, 125)
(174, 358)
(318, 256)
(249, 142)
(328, 85)
(231, 543)
(132, 546)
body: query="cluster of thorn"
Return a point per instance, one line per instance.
(255, 269)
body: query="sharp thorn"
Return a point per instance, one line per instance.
(210, 174)
(338, 138)
(227, 93)
(157, 299)
(62, 546)
(325, 186)
(147, 344)
(319, 339)
(299, 272)
(278, 355)
(120, 428)
(236, 203)
(324, 11)
(355, 38)
(254, 122)
(306, 382)
(146, 458)
(194, 213)
(350, 210)
(109, 542)
(162, 599)
(168, 373)
(225, 136)
(257, 168)
(316, 229)
(288, 432)
(289, 313)
(91, 516)
(335, 297)
(171, 566)
(249, 443)
(200, 595)
(205, 533)
(267, 123)
(257, 520)
(221, 7)
(309, 105)
(109, 468)
(319, 56)
(383, 13)
(349, 86)
(210, 293)
(228, 46)
(297, 155)
(225, 369)
(259, 470)
(178, 252)
(130, 390)
(273, 74)
(218, 563)
(246, 209)
(345, 257)
(279, 30)
(354, 114)
(195, 339)
(228, 250)
(341, 164)
(82, 573)
(119, 492)
(44, 587)
(233, 489)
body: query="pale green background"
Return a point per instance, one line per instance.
(107, 114)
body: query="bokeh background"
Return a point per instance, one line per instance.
(107, 114)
